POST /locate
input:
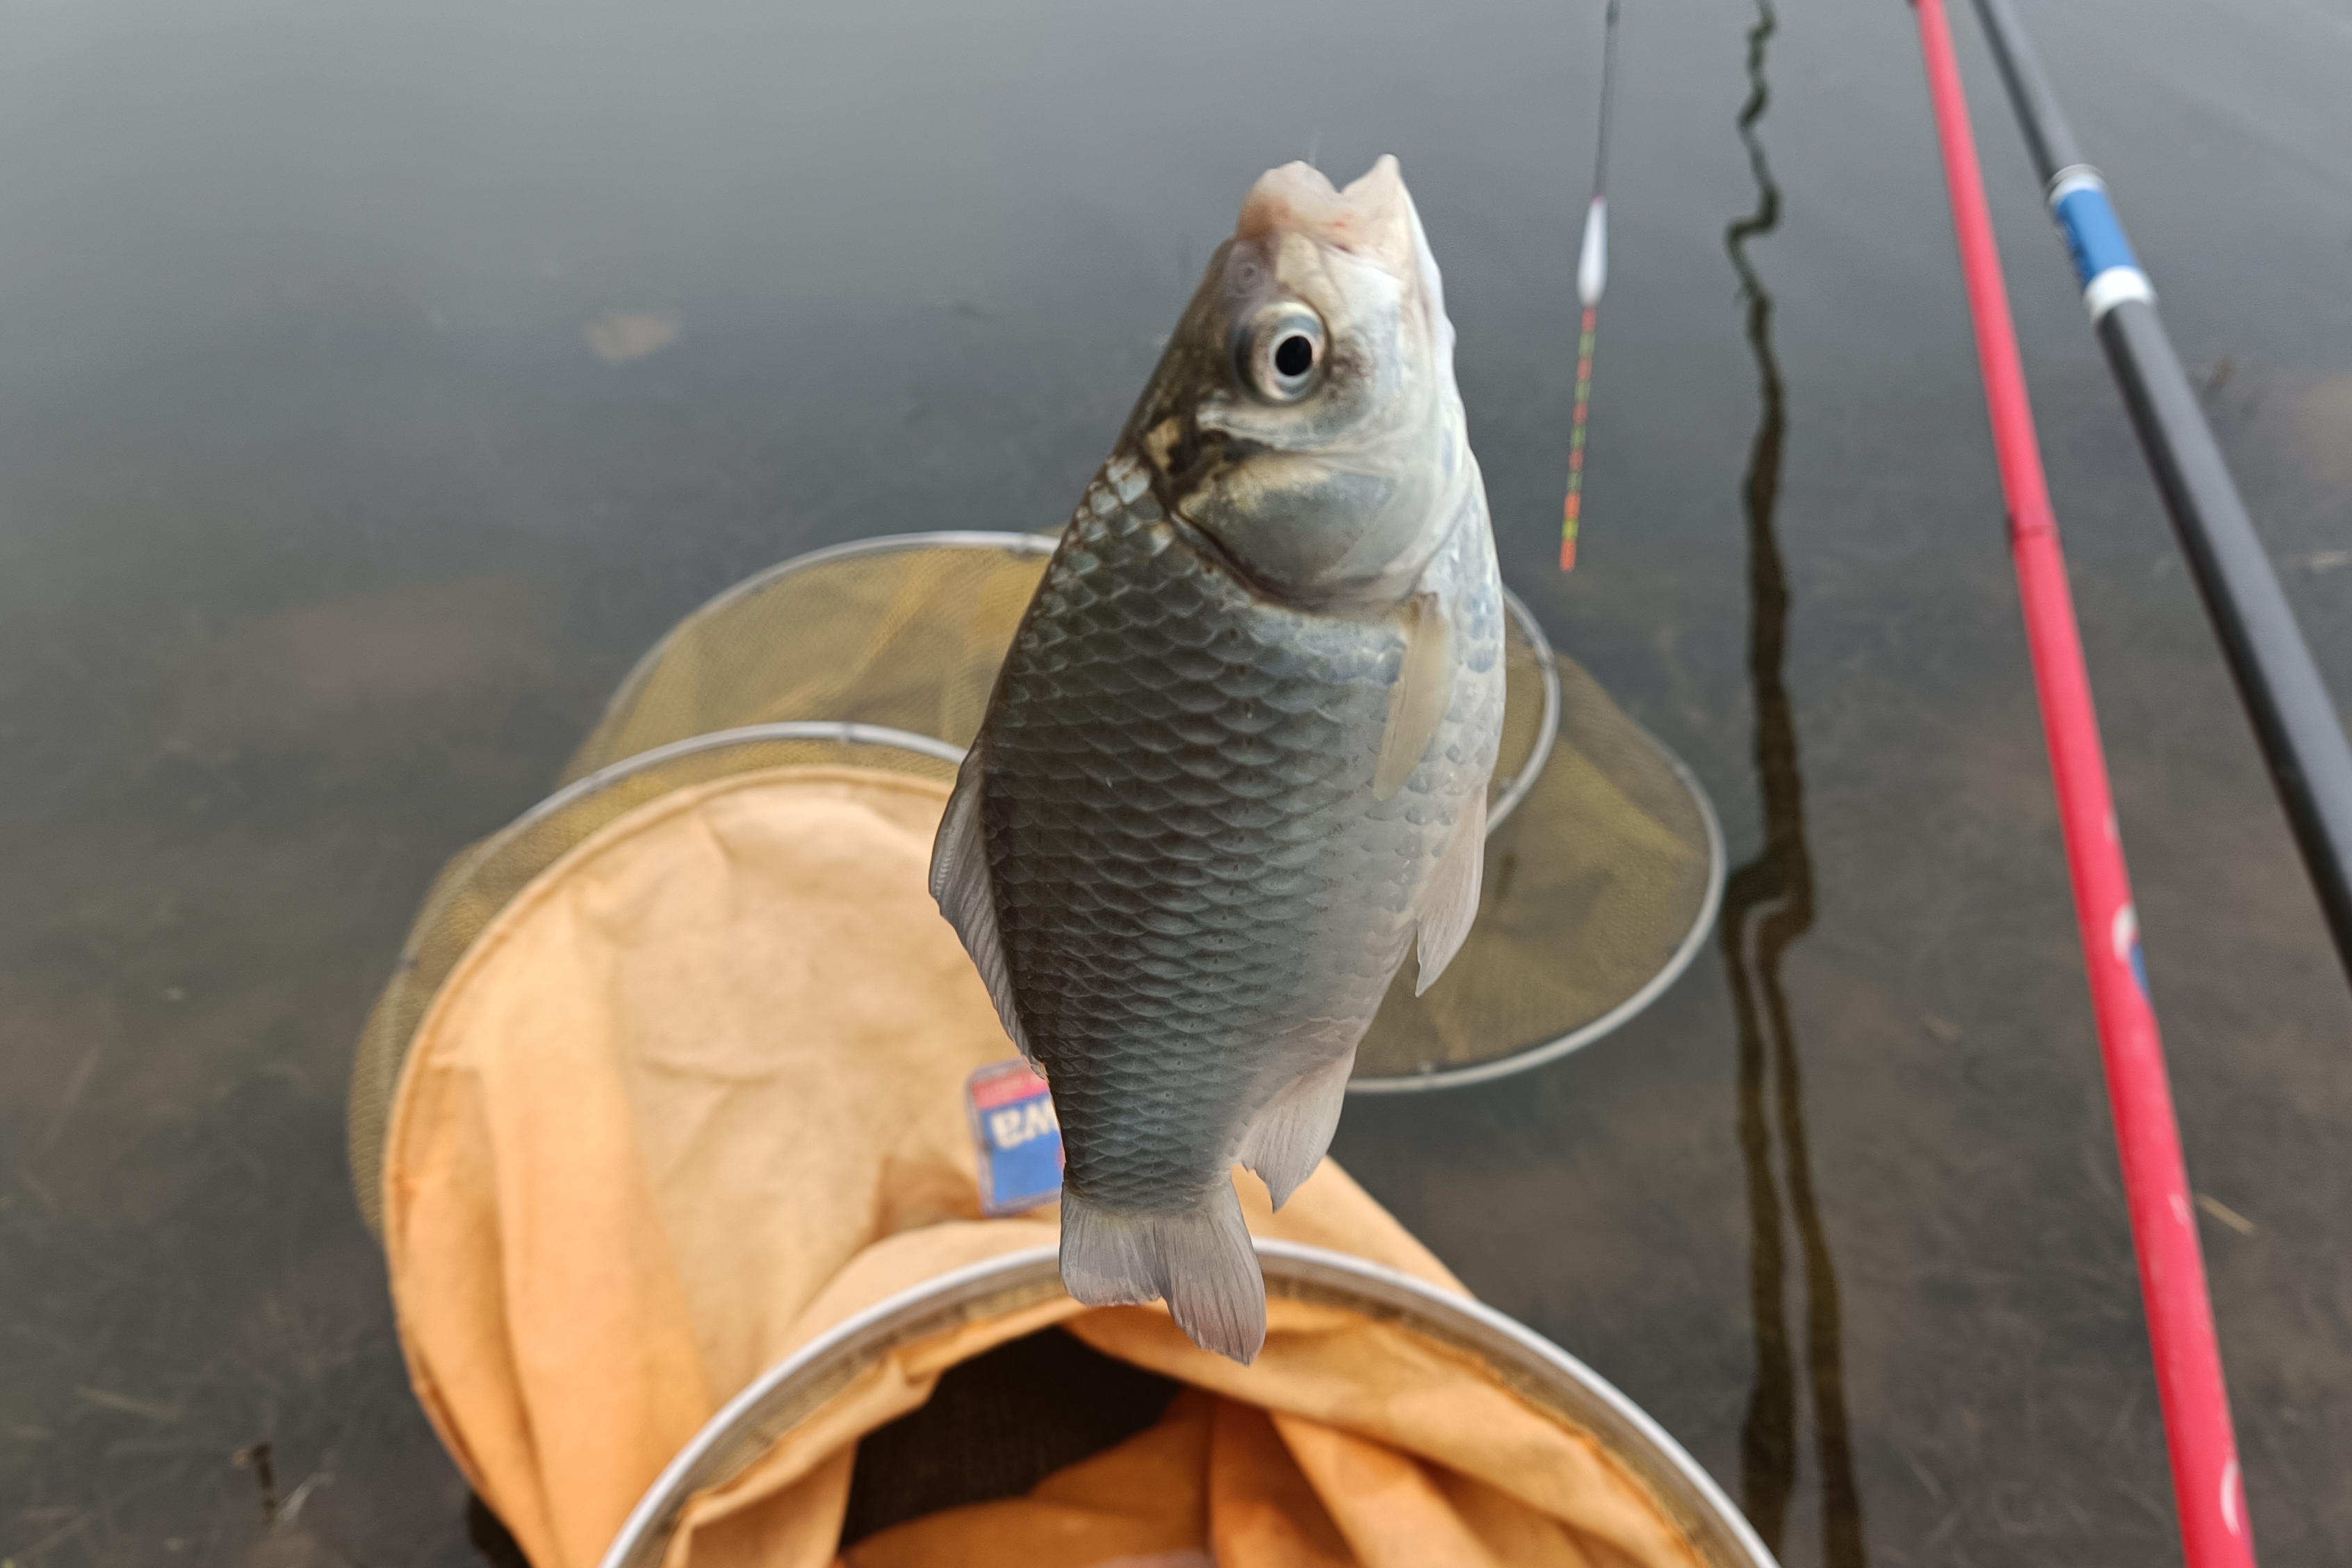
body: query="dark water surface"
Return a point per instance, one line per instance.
(323, 532)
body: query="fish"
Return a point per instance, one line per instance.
(1233, 769)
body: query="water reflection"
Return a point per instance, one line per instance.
(1768, 905)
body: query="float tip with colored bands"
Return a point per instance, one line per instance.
(1576, 443)
(1592, 278)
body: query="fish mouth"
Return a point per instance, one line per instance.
(1372, 217)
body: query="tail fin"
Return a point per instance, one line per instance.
(1199, 1258)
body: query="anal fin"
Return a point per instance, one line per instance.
(1419, 701)
(1201, 1258)
(967, 896)
(1288, 1138)
(1450, 902)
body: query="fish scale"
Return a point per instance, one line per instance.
(1179, 816)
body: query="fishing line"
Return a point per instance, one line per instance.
(1591, 277)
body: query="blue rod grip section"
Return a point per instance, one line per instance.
(2095, 236)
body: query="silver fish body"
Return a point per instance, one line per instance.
(1205, 821)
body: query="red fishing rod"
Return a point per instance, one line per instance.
(2206, 1484)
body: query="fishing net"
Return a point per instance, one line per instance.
(659, 1119)
(905, 631)
(684, 1229)
(1603, 860)
(483, 879)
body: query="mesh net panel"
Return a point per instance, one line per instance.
(1594, 885)
(905, 636)
(1593, 889)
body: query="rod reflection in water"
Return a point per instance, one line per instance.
(1768, 904)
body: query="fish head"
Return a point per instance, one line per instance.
(1304, 416)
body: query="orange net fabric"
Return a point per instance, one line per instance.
(692, 1098)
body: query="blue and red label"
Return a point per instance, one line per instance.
(1017, 1136)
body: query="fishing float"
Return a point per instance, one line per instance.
(2295, 722)
(1592, 278)
(2207, 1483)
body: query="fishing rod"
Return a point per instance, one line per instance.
(2300, 735)
(2207, 1485)
(1591, 277)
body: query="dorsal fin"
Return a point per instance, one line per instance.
(967, 896)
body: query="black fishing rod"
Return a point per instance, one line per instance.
(2296, 722)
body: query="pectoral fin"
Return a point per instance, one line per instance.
(967, 896)
(1450, 902)
(1423, 692)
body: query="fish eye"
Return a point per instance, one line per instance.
(1281, 351)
